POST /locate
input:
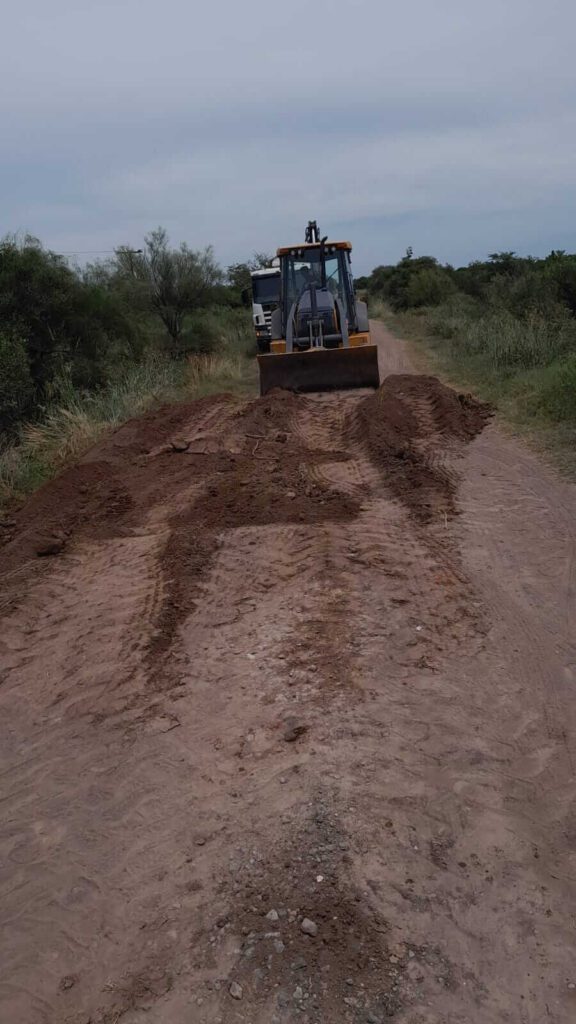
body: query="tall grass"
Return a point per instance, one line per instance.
(76, 421)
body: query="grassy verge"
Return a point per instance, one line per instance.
(526, 368)
(76, 421)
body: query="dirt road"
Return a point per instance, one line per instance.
(302, 665)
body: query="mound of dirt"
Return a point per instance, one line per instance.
(410, 427)
(271, 413)
(113, 486)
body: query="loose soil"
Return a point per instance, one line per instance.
(296, 658)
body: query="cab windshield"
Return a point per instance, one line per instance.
(266, 290)
(306, 267)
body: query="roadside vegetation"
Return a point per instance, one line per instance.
(505, 327)
(84, 349)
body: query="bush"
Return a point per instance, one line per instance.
(428, 287)
(412, 283)
(16, 387)
(218, 330)
(452, 318)
(551, 391)
(62, 320)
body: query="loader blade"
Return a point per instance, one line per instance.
(320, 369)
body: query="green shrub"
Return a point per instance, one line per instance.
(16, 387)
(550, 393)
(452, 318)
(428, 287)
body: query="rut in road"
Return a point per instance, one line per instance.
(262, 684)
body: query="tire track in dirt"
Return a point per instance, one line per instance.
(314, 641)
(147, 845)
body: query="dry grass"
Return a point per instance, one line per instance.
(216, 371)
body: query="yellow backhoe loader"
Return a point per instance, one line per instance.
(320, 337)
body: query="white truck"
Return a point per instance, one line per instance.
(265, 299)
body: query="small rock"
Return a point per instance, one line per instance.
(298, 992)
(67, 982)
(299, 964)
(350, 981)
(309, 927)
(293, 729)
(571, 986)
(272, 915)
(290, 494)
(50, 546)
(393, 959)
(279, 946)
(281, 437)
(180, 445)
(235, 990)
(201, 842)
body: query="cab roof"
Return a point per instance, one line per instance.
(287, 249)
(265, 272)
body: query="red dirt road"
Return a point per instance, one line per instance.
(319, 665)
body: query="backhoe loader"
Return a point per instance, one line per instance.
(320, 337)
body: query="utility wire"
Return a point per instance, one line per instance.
(97, 252)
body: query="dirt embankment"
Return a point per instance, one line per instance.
(269, 753)
(411, 428)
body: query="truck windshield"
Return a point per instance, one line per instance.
(266, 290)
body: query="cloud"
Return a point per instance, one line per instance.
(423, 124)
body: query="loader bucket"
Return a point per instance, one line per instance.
(320, 369)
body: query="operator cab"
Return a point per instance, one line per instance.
(326, 267)
(318, 306)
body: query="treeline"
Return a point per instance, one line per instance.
(507, 324)
(64, 328)
(522, 285)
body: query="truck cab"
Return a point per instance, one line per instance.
(265, 299)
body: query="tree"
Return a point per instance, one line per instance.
(238, 274)
(63, 321)
(16, 387)
(169, 282)
(506, 262)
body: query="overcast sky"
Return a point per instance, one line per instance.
(447, 125)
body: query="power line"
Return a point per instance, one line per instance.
(98, 252)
